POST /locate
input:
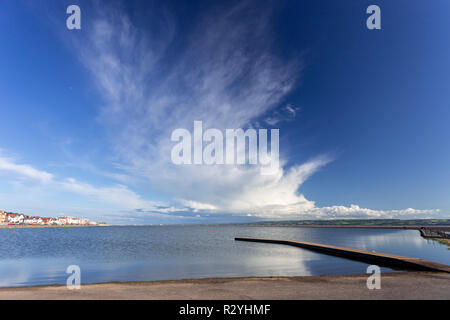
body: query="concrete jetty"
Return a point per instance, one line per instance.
(434, 233)
(382, 259)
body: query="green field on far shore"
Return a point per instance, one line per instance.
(354, 222)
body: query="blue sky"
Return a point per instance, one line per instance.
(86, 115)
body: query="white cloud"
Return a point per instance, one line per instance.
(354, 211)
(195, 206)
(258, 196)
(24, 170)
(289, 112)
(227, 75)
(119, 196)
(227, 89)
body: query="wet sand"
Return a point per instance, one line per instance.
(405, 285)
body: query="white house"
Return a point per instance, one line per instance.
(32, 220)
(62, 220)
(15, 218)
(51, 221)
(71, 220)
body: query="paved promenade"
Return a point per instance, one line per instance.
(405, 285)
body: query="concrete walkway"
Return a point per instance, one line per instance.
(405, 285)
(382, 259)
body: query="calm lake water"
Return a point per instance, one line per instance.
(143, 253)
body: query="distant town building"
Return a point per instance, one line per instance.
(47, 221)
(18, 218)
(71, 220)
(15, 218)
(32, 220)
(62, 220)
(3, 217)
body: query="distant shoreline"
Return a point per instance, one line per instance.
(350, 223)
(413, 227)
(340, 226)
(46, 226)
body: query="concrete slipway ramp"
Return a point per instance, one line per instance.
(387, 260)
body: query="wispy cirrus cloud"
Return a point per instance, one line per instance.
(228, 89)
(289, 112)
(9, 165)
(228, 75)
